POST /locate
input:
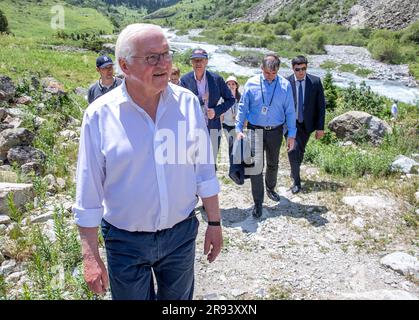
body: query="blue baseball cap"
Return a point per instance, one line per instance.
(199, 54)
(103, 61)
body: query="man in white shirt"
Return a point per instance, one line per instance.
(144, 158)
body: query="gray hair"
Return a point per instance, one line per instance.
(124, 48)
(271, 62)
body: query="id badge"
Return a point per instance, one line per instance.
(264, 110)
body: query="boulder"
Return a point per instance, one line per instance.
(353, 124)
(7, 88)
(404, 164)
(25, 154)
(22, 194)
(402, 263)
(52, 86)
(10, 138)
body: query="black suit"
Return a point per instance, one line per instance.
(314, 114)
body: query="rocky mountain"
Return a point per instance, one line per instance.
(390, 14)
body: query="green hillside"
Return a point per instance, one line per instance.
(33, 18)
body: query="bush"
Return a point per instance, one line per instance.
(4, 24)
(282, 28)
(313, 43)
(330, 92)
(363, 99)
(385, 50)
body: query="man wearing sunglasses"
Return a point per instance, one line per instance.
(130, 183)
(310, 113)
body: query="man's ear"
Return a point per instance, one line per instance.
(123, 65)
(97, 69)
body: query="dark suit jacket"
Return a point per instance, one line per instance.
(314, 102)
(217, 89)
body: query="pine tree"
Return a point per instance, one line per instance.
(330, 91)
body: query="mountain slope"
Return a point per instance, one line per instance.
(390, 14)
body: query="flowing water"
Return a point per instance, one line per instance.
(395, 88)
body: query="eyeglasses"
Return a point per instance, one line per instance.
(153, 59)
(300, 69)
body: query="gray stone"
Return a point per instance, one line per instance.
(353, 123)
(4, 219)
(404, 164)
(10, 138)
(43, 217)
(24, 100)
(30, 167)
(359, 223)
(22, 194)
(402, 263)
(25, 154)
(7, 88)
(52, 86)
(7, 267)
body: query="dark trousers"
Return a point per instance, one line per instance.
(271, 140)
(296, 156)
(215, 136)
(229, 132)
(133, 258)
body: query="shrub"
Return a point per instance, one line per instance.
(313, 42)
(330, 92)
(386, 50)
(4, 24)
(281, 28)
(363, 99)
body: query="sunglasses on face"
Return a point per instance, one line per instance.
(300, 69)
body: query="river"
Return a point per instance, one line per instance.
(392, 82)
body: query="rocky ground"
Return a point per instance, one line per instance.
(386, 14)
(324, 243)
(362, 58)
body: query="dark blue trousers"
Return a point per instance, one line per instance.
(135, 259)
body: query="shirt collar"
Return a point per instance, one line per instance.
(204, 77)
(124, 97)
(273, 81)
(295, 78)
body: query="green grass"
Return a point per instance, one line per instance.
(19, 57)
(33, 18)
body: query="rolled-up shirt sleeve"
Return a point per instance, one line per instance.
(90, 175)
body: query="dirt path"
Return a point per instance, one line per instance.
(305, 247)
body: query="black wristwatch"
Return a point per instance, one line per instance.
(214, 223)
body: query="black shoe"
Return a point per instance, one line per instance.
(295, 189)
(273, 195)
(257, 211)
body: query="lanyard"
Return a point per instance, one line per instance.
(273, 94)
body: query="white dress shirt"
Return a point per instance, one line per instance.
(141, 175)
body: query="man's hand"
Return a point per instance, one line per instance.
(95, 273)
(290, 144)
(240, 135)
(211, 113)
(319, 134)
(213, 242)
(213, 236)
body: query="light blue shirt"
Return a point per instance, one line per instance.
(281, 110)
(140, 174)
